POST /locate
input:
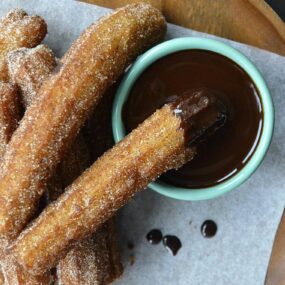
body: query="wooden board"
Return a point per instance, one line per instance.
(249, 21)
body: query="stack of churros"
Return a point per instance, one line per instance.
(44, 104)
(56, 214)
(88, 262)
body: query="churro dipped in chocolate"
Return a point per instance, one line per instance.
(91, 261)
(9, 114)
(160, 143)
(17, 29)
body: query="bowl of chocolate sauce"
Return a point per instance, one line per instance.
(231, 155)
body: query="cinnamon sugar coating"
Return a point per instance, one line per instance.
(154, 147)
(17, 29)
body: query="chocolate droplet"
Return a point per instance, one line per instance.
(154, 236)
(209, 229)
(172, 243)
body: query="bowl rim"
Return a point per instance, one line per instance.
(188, 43)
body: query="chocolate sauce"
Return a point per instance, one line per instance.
(209, 229)
(172, 243)
(154, 236)
(224, 153)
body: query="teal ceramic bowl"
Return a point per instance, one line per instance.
(188, 43)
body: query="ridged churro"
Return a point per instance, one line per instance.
(90, 261)
(9, 114)
(17, 29)
(157, 145)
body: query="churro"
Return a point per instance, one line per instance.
(17, 29)
(98, 58)
(160, 143)
(91, 261)
(9, 114)
(29, 68)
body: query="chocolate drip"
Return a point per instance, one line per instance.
(172, 243)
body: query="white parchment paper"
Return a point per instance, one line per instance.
(247, 218)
